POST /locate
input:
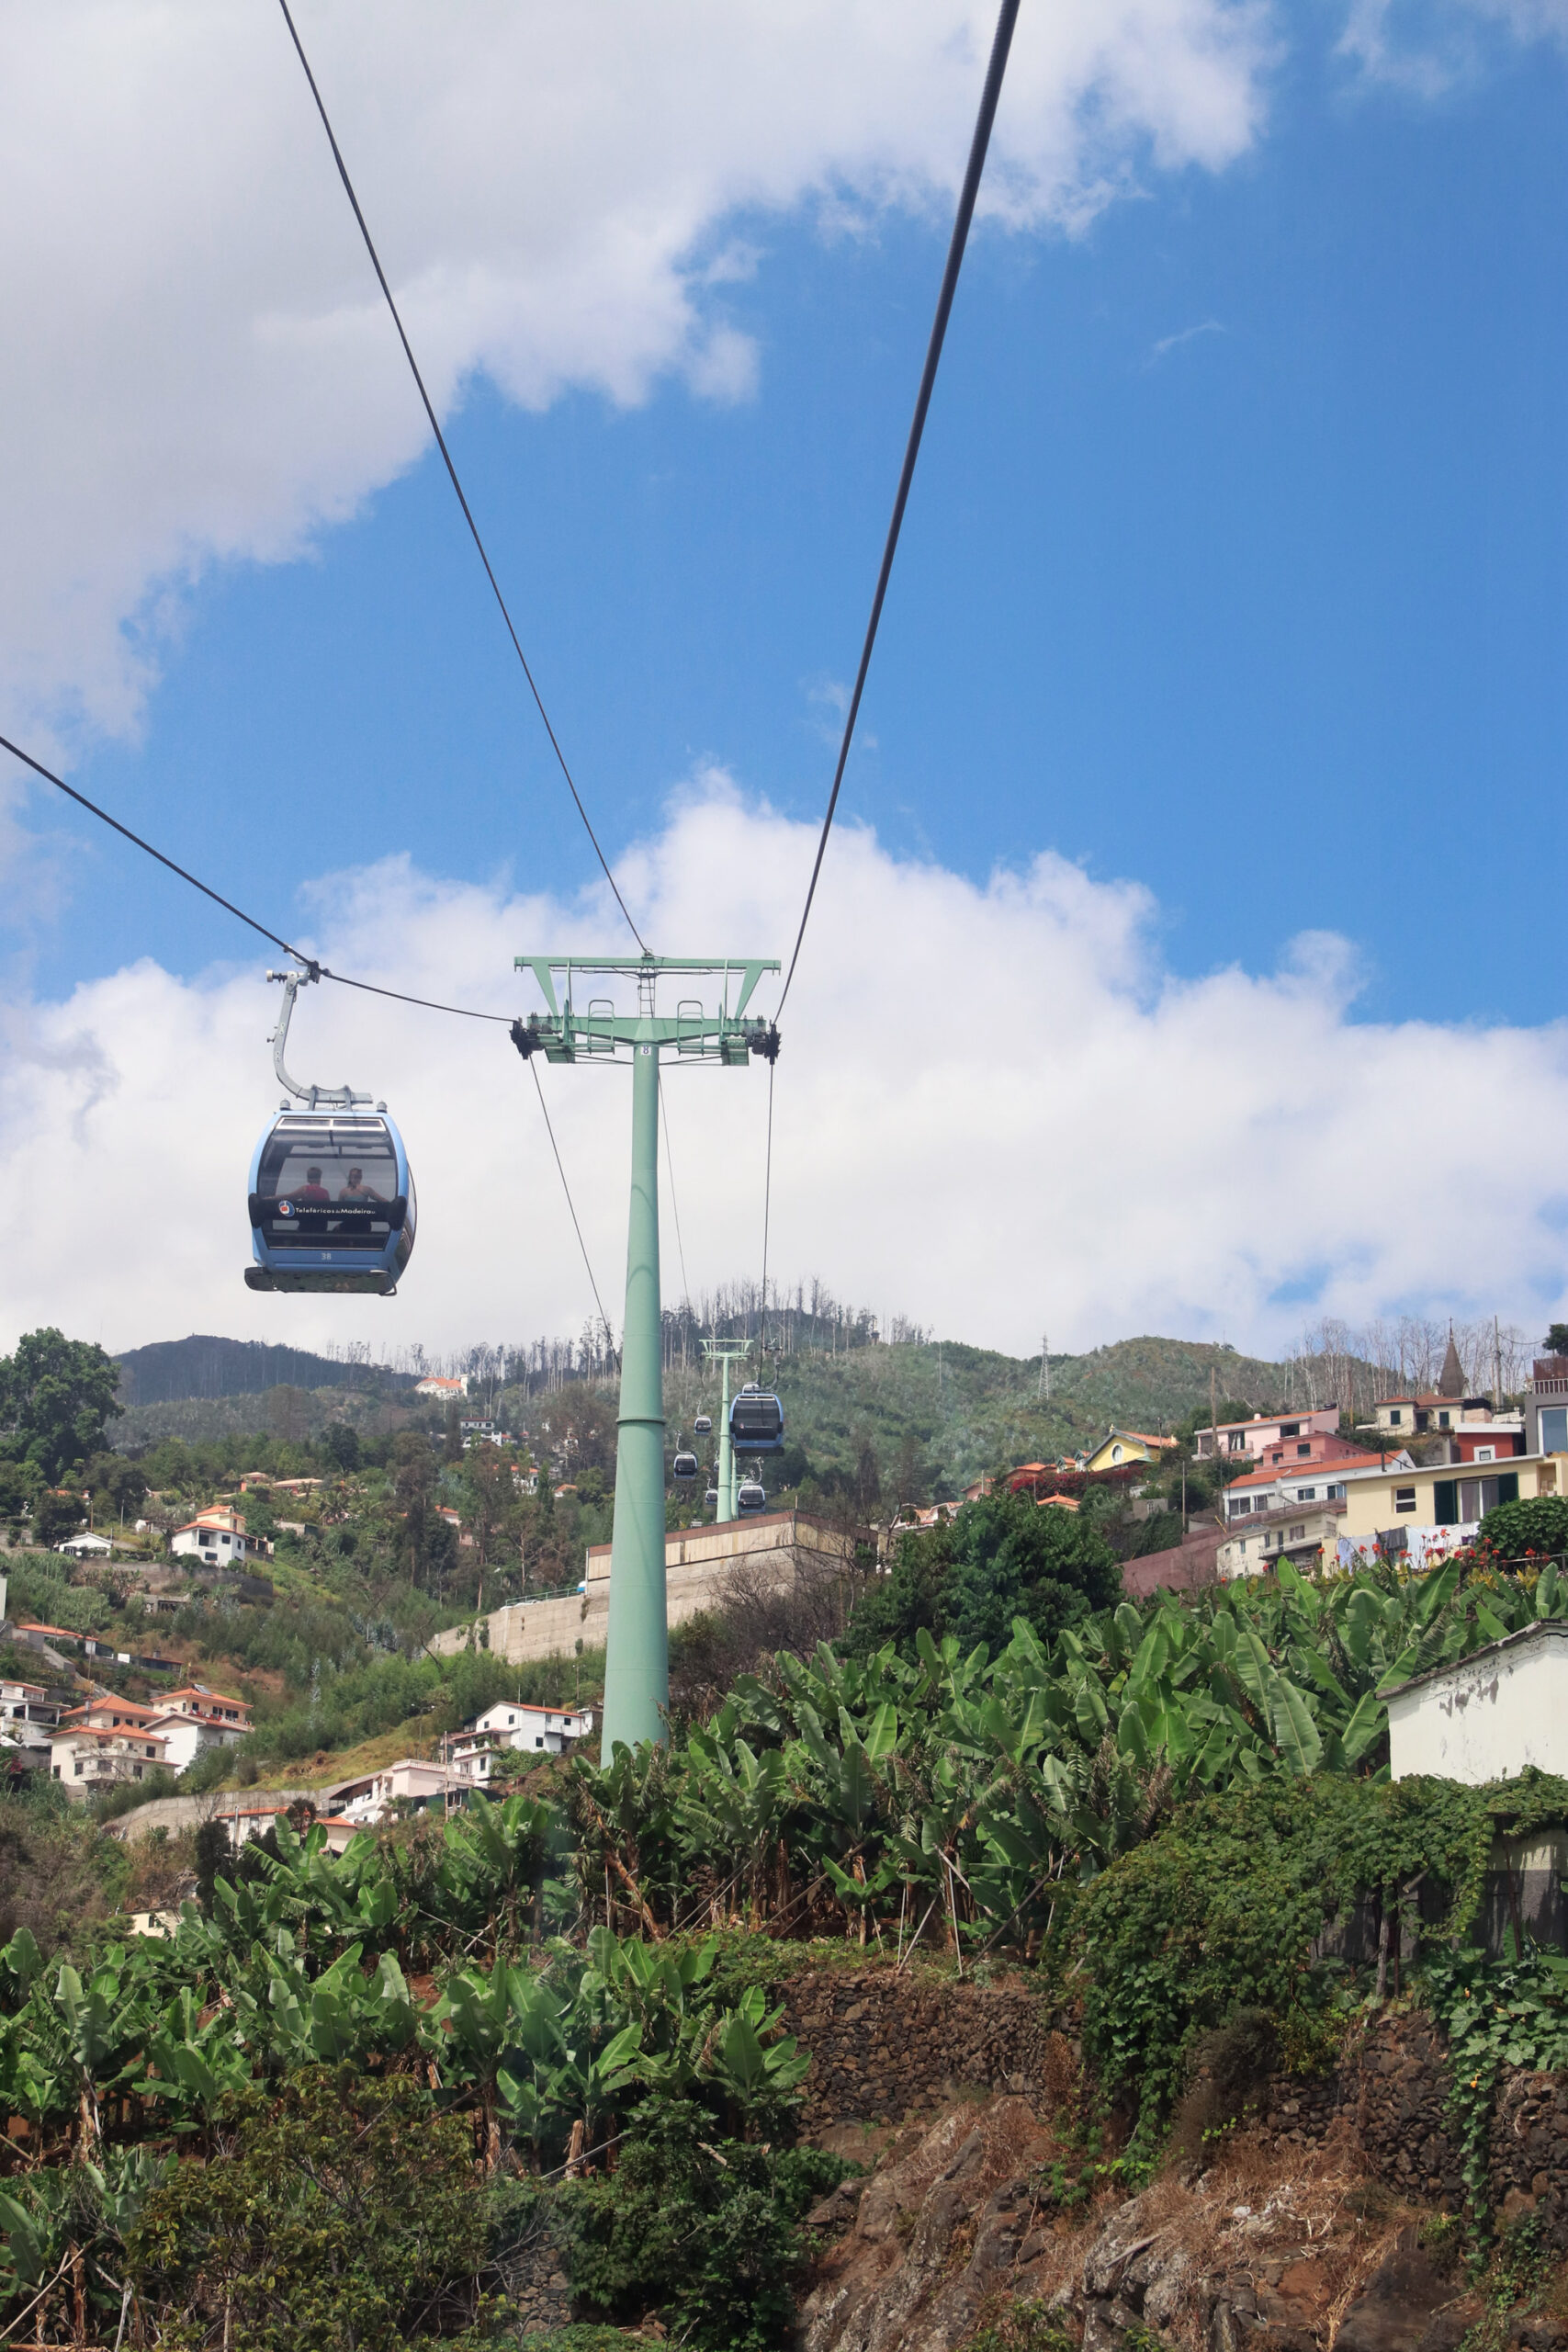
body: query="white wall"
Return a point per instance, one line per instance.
(1488, 1717)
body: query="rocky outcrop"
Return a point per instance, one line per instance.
(946, 2221)
(970, 2214)
(1408, 2305)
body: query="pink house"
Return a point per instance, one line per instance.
(1265, 1430)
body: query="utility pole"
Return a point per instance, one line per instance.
(726, 1352)
(1045, 1366)
(637, 1663)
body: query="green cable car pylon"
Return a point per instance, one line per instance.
(726, 1352)
(636, 1665)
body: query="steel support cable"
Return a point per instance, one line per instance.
(93, 809)
(317, 969)
(572, 1207)
(767, 1196)
(452, 470)
(992, 91)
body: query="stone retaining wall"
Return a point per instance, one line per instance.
(1392, 2090)
(884, 2045)
(1529, 2154)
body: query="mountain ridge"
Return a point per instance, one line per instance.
(932, 1412)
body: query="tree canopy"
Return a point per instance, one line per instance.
(996, 1559)
(56, 1398)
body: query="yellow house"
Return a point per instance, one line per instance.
(1119, 1447)
(1440, 1505)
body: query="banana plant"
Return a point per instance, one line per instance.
(753, 2075)
(493, 1862)
(193, 2061)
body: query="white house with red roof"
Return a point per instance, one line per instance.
(105, 1713)
(218, 1708)
(548, 1731)
(185, 1726)
(86, 1760)
(216, 1536)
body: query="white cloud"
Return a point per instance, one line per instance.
(1428, 50)
(196, 365)
(995, 1112)
(1168, 343)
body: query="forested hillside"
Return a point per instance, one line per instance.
(202, 1365)
(939, 1416)
(934, 1416)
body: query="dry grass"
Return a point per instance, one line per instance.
(1315, 2213)
(161, 1870)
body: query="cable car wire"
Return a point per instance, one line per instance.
(93, 809)
(566, 1188)
(464, 1012)
(452, 470)
(987, 116)
(317, 969)
(767, 1197)
(320, 971)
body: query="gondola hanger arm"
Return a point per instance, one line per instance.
(315, 1098)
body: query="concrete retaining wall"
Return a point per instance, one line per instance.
(699, 1563)
(190, 1813)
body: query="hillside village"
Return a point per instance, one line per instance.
(301, 1735)
(1179, 1511)
(1237, 1496)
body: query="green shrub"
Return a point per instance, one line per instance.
(1217, 1915)
(41, 1594)
(346, 2217)
(995, 1560)
(704, 2230)
(60, 1876)
(1537, 1524)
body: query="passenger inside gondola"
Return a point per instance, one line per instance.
(357, 1189)
(311, 1190)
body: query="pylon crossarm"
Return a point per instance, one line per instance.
(604, 1032)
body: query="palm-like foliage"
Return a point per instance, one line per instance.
(888, 1790)
(876, 1795)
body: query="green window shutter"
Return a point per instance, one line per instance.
(1445, 1502)
(1509, 1486)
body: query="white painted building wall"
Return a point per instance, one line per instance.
(1489, 1715)
(185, 1737)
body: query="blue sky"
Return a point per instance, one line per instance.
(1210, 769)
(1235, 565)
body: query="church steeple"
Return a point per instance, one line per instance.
(1452, 1383)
